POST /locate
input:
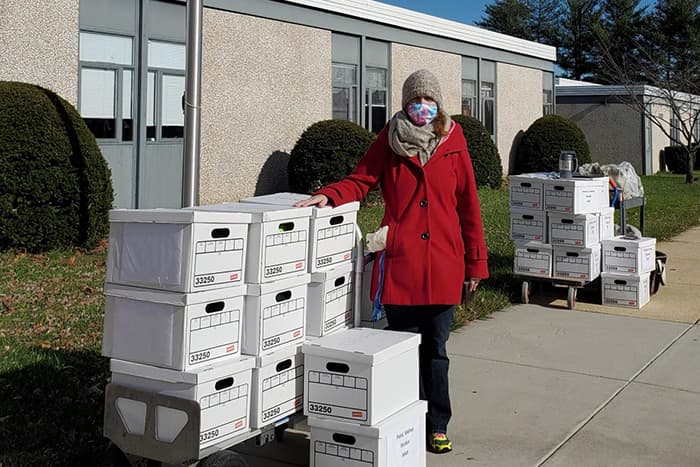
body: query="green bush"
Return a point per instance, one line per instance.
(488, 170)
(326, 152)
(676, 159)
(541, 144)
(55, 186)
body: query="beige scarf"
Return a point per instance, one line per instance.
(408, 140)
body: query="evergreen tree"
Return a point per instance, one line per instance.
(578, 41)
(508, 17)
(621, 39)
(545, 19)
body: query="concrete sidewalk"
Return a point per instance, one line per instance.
(543, 385)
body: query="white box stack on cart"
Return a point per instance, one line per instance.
(360, 375)
(277, 240)
(173, 330)
(398, 440)
(182, 250)
(222, 391)
(278, 386)
(332, 230)
(331, 301)
(275, 315)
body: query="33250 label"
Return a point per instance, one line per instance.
(208, 435)
(273, 270)
(268, 414)
(318, 408)
(204, 280)
(267, 343)
(200, 356)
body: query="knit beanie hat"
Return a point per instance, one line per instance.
(421, 83)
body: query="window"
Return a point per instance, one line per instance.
(547, 94)
(165, 88)
(488, 96)
(675, 130)
(345, 51)
(470, 77)
(345, 92)
(106, 85)
(376, 83)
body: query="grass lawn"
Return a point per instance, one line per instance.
(52, 376)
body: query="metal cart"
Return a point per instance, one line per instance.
(572, 287)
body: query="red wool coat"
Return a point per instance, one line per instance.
(435, 238)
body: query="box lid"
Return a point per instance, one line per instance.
(259, 212)
(533, 245)
(565, 215)
(577, 249)
(339, 270)
(415, 409)
(622, 278)
(173, 298)
(276, 286)
(195, 376)
(623, 240)
(362, 345)
(288, 199)
(178, 216)
(574, 182)
(282, 353)
(534, 175)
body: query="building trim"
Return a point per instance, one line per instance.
(392, 24)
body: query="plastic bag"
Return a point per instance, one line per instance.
(623, 174)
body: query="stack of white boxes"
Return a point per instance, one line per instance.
(361, 399)
(174, 299)
(557, 225)
(276, 305)
(627, 262)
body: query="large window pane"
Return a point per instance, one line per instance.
(151, 106)
(166, 55)
(469, 97)
(172, 117)
(345, 92)
(342, 103)
(97, 101)
(106, 48)
(127, 99)
(489, 116)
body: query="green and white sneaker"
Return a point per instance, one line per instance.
(439, 443)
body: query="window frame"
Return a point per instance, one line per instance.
(159, 72)
(369, 105)
(354, 93)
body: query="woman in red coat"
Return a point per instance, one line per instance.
(435, 239)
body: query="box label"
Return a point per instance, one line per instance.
(340, 455)
(283, 323)
(532, 263)
(526, 197)
(403, 446)
(527, 229)
(218, 262)
(282, 393)
(338, 306)
(284, 253)
(223, 414)
(334, 245)
(338, 396)
(214, 336)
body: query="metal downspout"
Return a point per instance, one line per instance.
(193, 88)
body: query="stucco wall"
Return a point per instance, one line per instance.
(447, 67)
(660, 139)
(613, 131)
(518, 104)
(39, 44)
(263, 83)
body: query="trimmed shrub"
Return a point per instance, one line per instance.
(541, 144)
(326, 152)
(676, 159)
(488, 170)
(55, 186)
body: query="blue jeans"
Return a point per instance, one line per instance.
(433, 323)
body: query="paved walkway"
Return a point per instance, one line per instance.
(541, 385)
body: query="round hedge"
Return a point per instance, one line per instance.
(488, 170)
(541, 144)
(326, 152)
(55, 186)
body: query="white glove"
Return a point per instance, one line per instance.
(376, 241)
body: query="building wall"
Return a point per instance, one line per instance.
(613, 131)
(263, 83)
(39, 44)
(518, 104)
(659, 139)
(447, 67)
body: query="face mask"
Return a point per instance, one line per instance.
(421, 113)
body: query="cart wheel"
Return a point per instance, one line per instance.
(661, 266)
(223, 459)
(571, 297)
(114, 457)
(525, 292)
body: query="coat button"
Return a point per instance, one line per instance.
(425, 235)
(423, 203)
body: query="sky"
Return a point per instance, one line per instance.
(464, 11)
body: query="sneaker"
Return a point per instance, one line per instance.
(439, 443)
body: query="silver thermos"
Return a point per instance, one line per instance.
(567, 164)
